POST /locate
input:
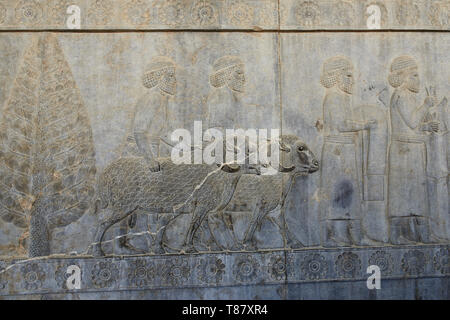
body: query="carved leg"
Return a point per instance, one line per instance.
(197, 219)
(258, 214)
(163, 221)
(125, 226)
(222, 231)
(104, 226)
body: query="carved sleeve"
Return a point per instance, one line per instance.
(411, 119)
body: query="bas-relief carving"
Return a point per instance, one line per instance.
(366, 152)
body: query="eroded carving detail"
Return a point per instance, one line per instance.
(439, 13)
(100, 12)
(246, 268)
(28, 12)
(307, 13)
(407, 12)
(239, 13)
(33, 276)
(2, 14)
(104, 274)
(348, 265)
(343, 14)
(141, 273)
(204, 13)
(210, 270)
(414, 262)
(175, 271)
(383, 260)
(441, 260)
(138, 12)
(171, 12)
(314, 266)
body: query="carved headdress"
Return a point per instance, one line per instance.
(332, 69)
(155, 70)
(222, 70)
(400, 67)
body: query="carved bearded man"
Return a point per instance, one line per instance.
(407, 185)
(150, 122)
(224, 102)
(341, 200)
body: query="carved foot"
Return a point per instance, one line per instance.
(189, 248)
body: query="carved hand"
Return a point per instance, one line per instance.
(371, 124)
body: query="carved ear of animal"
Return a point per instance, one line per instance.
(230, 168)
(284, 147)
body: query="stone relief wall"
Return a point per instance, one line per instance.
(85, 142)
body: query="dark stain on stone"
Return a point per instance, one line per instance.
(343, 194)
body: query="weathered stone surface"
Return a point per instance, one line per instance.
(88, 173)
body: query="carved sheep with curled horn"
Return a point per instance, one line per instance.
(128, 185)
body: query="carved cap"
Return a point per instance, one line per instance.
(155, 69)
(399, 66)
(402, 63)
(333, 67)
(223, 67)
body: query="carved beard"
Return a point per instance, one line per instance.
(412, 86)
(168, 86)
(346, 86)
(236, 85)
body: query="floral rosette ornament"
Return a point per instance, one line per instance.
(210, 270)
(240, 13)
(33, 276)
(141, 273)
(314, 267)
(58, 11)
(28, 12)
(441, 261)
(104, 274)
(307, 13)
(348, 265)
(413, 262)
(100, 12)
(277, 267)
(2, 14)
(171, 12)
(246, 269)
(137, 12)
(204, 13)
(383, 260)
(176, 271)
(343, 14)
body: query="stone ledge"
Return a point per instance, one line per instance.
(118, 273)
(228, 14)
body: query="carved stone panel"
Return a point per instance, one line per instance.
(191, 148)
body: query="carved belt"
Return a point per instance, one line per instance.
(340, 139)
(408, 139)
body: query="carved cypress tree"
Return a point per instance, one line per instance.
(47, 157)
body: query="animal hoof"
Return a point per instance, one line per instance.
(189, 249)
(159, 250)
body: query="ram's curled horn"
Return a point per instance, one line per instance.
(284, 147)
(286, 169)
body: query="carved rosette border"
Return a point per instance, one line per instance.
(226, 14)
(223, 269)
